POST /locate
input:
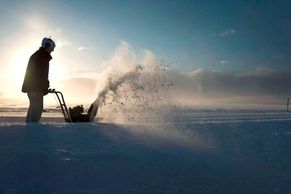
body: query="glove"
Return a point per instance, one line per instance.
(45, 92)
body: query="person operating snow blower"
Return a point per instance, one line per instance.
(36, 83)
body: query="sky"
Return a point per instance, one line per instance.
(232, 49)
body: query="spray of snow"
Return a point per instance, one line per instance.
(137, 95)
(135, 87)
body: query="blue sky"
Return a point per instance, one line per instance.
(233, 35)
(229, 36)
(195, 33)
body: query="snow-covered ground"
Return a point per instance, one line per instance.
(193, 151)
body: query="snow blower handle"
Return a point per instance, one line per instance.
(62, 103)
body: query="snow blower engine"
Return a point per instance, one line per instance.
(76, 113)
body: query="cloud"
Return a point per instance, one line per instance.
(224, 62)
(81, 48)
(226, 33)
(258, 86)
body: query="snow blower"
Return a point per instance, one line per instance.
(76, 113)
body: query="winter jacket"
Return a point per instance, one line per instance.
(36, 76)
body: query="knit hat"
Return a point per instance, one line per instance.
(48, 43)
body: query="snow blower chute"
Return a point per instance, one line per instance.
(76, 113)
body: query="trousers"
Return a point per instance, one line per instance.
(35, 107)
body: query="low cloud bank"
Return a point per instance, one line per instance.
(263, 86)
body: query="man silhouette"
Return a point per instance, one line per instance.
(36, 81)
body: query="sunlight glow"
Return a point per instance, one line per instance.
(17, 66)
